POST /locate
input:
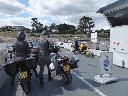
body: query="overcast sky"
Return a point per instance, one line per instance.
(20, 12)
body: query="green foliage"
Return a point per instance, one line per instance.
(52, 27)
(66, 29)
(103, 35)
(62, 29)
(32, 34)
(1, 30)
(85, 25)
(37, 26)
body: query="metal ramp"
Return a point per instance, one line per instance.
(105, 79)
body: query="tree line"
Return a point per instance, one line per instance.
(85, 26)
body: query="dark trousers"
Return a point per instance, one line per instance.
(44, 59)
(76, 47)
(42, 71)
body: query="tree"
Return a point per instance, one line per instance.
(37, 26)
(85, 25)
(66, 29)
(52, 27)
(72, 29)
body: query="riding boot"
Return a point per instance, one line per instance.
(41, 82)
(36, 74)
(49, 74)
(12, 81)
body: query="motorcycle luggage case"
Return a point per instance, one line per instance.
(11, 69)
(73, 63)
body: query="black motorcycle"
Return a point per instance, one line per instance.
(34, 59)
(24, 74)
(23, 66)
(19, 66)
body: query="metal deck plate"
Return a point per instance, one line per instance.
(105, 79)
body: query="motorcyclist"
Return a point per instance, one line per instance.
(21, 48)
(44, 56)
(76, 44)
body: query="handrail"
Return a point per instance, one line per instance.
(120, 52)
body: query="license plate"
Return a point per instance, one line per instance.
(23, 74)
(66, 67)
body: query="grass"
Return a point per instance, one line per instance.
(8, 34)
(67, 36)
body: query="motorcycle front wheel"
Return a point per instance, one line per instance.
(67, 77)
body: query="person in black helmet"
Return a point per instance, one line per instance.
(21, 48)
(44, 56)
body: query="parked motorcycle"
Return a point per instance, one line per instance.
(61, 66)
(35, 53)
(19, 66)
(24, 74)
(35, 57)
(24, 67)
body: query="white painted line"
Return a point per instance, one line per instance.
(94, 88)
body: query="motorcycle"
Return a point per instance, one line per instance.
(35, 55)
(61, 66)
(24, 67)
(19, 66)
(24, 74)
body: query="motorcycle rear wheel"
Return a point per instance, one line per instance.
(26, 85)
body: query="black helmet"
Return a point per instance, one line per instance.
(21, 35)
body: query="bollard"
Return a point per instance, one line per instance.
(123, 63)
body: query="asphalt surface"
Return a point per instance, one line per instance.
(83, 81)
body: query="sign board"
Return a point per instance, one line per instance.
(94, 37)
(106, 61)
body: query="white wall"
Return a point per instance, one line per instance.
(119, 40)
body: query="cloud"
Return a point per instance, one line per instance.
(53, 11)
(10, 7)
(65, 7)
(21, 21)
(16, 21)
(59, 7)
(68, 11)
